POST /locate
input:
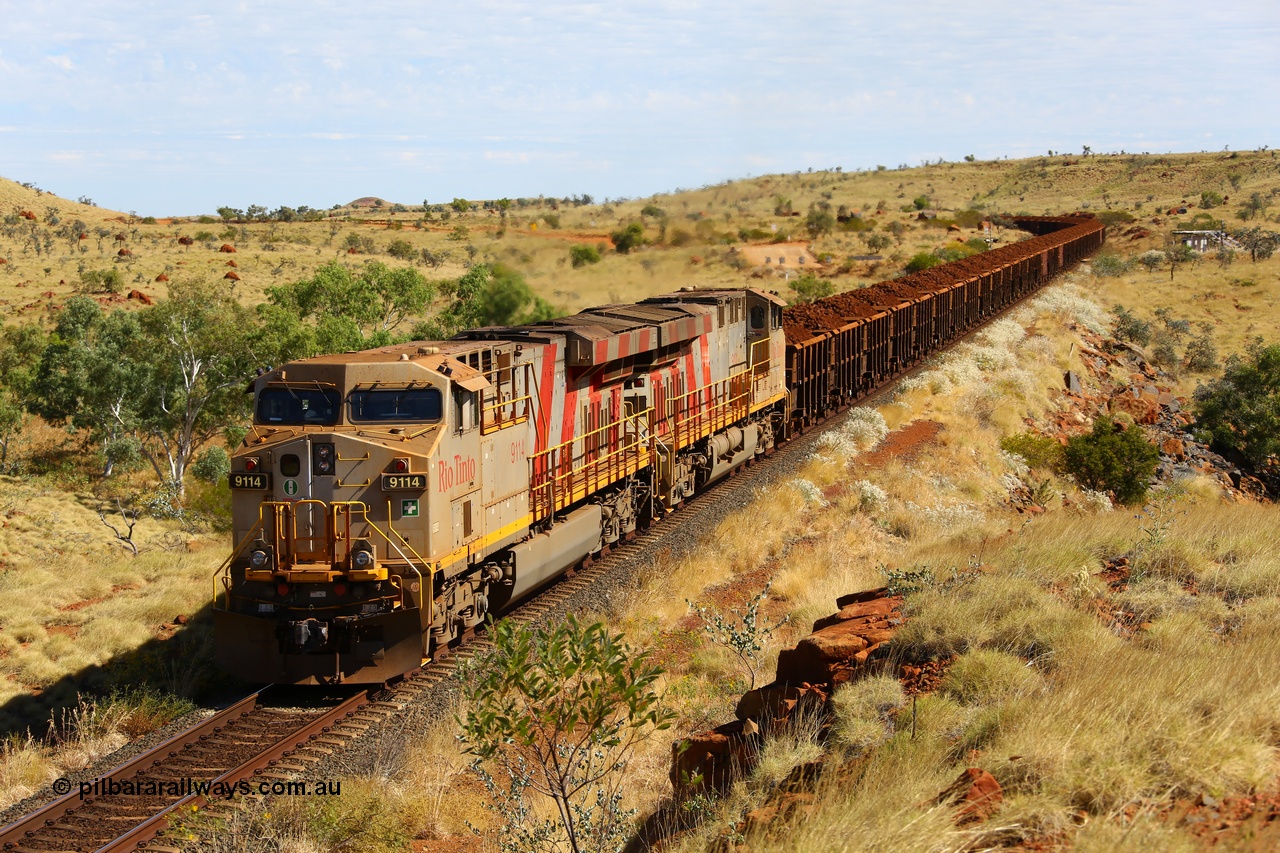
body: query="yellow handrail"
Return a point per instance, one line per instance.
(549, 474)
(235, 552)
(488, 426)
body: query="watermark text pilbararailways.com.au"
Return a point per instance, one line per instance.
(187, 787)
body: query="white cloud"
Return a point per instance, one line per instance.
(507, 157)
(683, 93)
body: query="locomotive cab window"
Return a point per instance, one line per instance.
(396, 405)
(757, 317)
(297, 406)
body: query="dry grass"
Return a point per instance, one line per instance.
(274, 253)
(78, 737)
(73, 599)
(1080, 724)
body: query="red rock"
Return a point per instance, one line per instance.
(821, 657)
(141, 297)
(880, 608)
(181, 620)
(124, 253)
(712, 759)
(1143, 411)
(778, 811)
(869, 594)
(1174, 447)
(976, 792)
(232, 263)
(775, 702)
(162, 277)
(233, 275)
(228, 248)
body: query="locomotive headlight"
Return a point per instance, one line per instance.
(260, 554)
(322, 459)
(361, 559)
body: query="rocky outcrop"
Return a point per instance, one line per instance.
(843, 647)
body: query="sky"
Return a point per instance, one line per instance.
(182, 107)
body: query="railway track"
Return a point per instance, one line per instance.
(242, 749)
(255, 742)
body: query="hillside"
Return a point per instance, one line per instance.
(1108, 671)
(690, 234)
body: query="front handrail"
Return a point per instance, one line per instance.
(225, 568)
(282, 513)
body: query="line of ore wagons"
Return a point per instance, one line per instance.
(842, 347)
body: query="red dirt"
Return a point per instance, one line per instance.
(924, 678)
(1234, 823)
(903, 443)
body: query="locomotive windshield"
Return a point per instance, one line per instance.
(400, 405)
(297, 406)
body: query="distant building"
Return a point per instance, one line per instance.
(1202, 241)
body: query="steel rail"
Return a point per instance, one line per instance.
(28, 830)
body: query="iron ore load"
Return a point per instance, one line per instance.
(386, 501)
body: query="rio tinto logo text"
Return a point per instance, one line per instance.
(451, 473)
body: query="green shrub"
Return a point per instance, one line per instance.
(819, 222)
(402, 249)
(1111, 459)
(1109, 265)
(1209, 199)
(653, 210)
(101, 281)
(1039, 451)
(582, 255)
(1115, 217)
(1241, 410)
(1202, 354)
(956, 251)
(679, 238)
(920, 202)
(212, 465)
(809, 287)
(628, 238)
(1127, 327)
(923, 261)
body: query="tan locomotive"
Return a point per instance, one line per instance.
(385, 501)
